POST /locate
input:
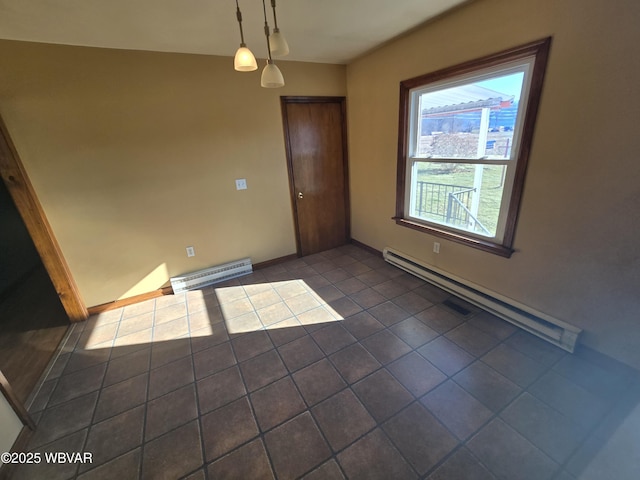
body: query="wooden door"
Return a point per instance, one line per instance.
(315, 136)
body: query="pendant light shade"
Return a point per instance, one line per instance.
(271, 76)
(278, 44)
(244, 60)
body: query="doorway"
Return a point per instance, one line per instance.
(316, 146)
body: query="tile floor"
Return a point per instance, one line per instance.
(336, 365)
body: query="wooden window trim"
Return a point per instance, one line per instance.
(539, 49)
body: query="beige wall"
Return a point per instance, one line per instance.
(134, 156)
(577, 241)
(10, 425)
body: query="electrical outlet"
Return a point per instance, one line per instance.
(191, 252)
(436, 247)
(241, 184)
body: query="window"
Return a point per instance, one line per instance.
(464, 140)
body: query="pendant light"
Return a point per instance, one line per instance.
(244, 60)
(271, 75)
(277, 42)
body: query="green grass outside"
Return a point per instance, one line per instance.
(491, 191)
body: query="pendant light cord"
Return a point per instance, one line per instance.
(275, 19)
(266, 29)
(239, 16)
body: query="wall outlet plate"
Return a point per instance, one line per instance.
(241, 184)
(191, 252)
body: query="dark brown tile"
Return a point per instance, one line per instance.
(354, 362)
(213, 360)
(78, 384)
(420, 438)
(343, 419)
(492, 325)
(248, 462)
(382, 394)
(361, 325)
(219, 389)
(115, 436)
(167, 352)
(52, 471)
(170, 411)
(350, 285)
(462, 465)
(374, 458)
(285, 332)
(121, 397)
(316, 282)
(357, 268)
(390, 289)
(536, 348)
(227, 428)
(276, 403)
(296, 447)
(318, 381)
(328, 293)
(208, 337)
(124, 466)
(446, 355)
(549, 430)
(409, 281)
(368, 298)
(385, 346)
(508, 455)
(128, 366)
(413, 332)
(514, 365)
(454, 407)
(262, 370)
(388, 313)
(432, 293)
(372, 278)
(439, 319)
(59, 421)
(487, 385)
(250, 345)
(332, 338)
(327, 471)
(174, 454)
(472, 340)
(345, 307)
(569, 399)
(170, 377)
(336, 275)
(42, 397)
(300, 353)
(412, 302)
(604, 383)
(317, 318)
(81, 359)
(416, 374)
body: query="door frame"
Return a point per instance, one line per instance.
(286, 100)
(24, 196)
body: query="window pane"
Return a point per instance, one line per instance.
(458, 195)
(474, 120)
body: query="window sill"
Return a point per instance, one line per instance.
(486, 246)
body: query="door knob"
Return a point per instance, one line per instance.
(300, 195)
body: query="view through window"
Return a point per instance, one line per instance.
(465, 135)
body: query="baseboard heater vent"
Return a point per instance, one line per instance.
(544, 326)
(209, 276)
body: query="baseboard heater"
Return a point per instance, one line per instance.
(209, 276)
(544, 326)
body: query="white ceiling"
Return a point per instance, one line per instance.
(328, 31)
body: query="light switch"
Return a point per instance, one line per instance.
(241, 184)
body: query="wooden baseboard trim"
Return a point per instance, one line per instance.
(366, 247)
(275, 261)
(169, 291)
(130, 301)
